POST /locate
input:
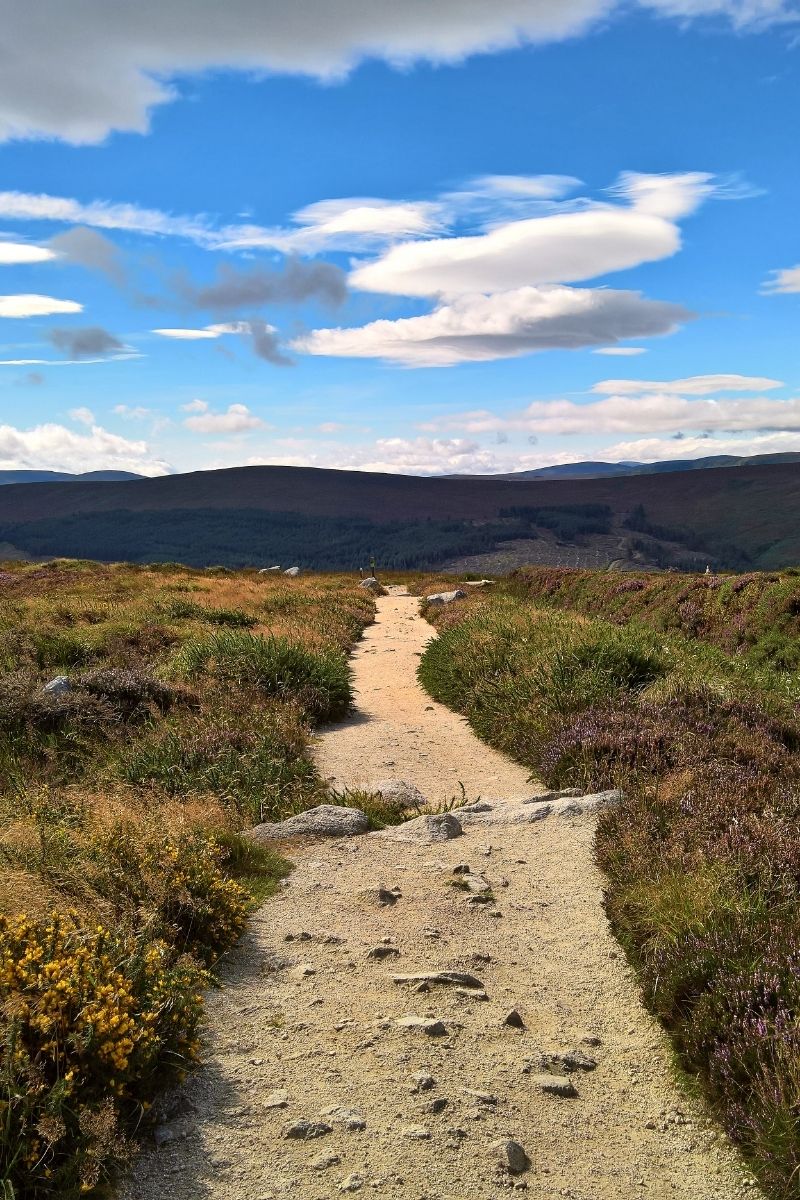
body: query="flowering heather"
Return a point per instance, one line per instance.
(701, 855)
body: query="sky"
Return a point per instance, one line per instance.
(428, 239)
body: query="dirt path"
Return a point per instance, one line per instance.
(306, 1027)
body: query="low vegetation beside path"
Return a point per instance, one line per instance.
(600, 680)
(178, 713)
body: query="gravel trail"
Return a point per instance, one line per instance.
(309, 1024)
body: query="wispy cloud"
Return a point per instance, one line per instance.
(784, 281)
(32, 305)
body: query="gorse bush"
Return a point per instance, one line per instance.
(94, 1024)
(701, 854)
(122, 800)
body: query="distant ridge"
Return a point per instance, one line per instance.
(66, 477)
(606, 470)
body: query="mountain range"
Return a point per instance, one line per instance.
(730, 517)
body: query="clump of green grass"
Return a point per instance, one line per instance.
(319, 681)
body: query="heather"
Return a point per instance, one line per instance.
(755, 614)
(186, 718)
(701, 854)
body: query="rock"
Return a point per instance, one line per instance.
(421, 1081)
(511, 1156)
(352, 1120)
(477, 583)
(514, 1019)
(430, 828)
(322, 1161)
(443, 978)
(398, 791)
(303, 1130)
(438, 1105)
(564, 1061)
(325, 820)
(268, 570)
(277, 1099)
(426, 1025)
(176, 1131)
(482, 1097)
(416, 1132)
(371, 584)
(292, 571)
(57, 686)
(352, 1183)
(471, 993)
(555, 1085)
(446, 597)
(591, 1039)
(383, 952)
(477, 884)
(381, 895)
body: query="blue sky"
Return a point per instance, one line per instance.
(470, 239)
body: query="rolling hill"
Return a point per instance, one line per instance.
(732, 517)
(65, 477)
(597, 470)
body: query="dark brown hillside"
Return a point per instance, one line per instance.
(756, 509)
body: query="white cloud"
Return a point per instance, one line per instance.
(84, 416)
(187, 335)
(209, 332)
(36, 306)
(530, 187)
(236, 419)
(785, 281)
(77, 76)
(693, 385)
(648, 413)
(655, 449)
(135, 413)
(55, 448)
(475, 328)
(22, 252)
(195, 406)
(560, 247)
(621, 351)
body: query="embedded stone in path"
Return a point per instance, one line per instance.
(426, 1025)
(511, 1156)
(444, 978)
(434, 827)
(325, 820)
(398, 791)
(303, 1130)
(555, 1085)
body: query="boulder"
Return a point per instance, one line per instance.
(397, 791)
(434, 827)
(326, 820)
(57, 686)
(268, 570)
(371, 583)
(292, 571)
(446, 597)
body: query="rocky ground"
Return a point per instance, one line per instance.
(434, 1020)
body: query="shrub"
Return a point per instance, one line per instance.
(93, 1023)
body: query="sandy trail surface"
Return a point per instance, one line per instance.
(308, 1025)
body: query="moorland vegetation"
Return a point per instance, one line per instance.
(123, 795)
(683, 692)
